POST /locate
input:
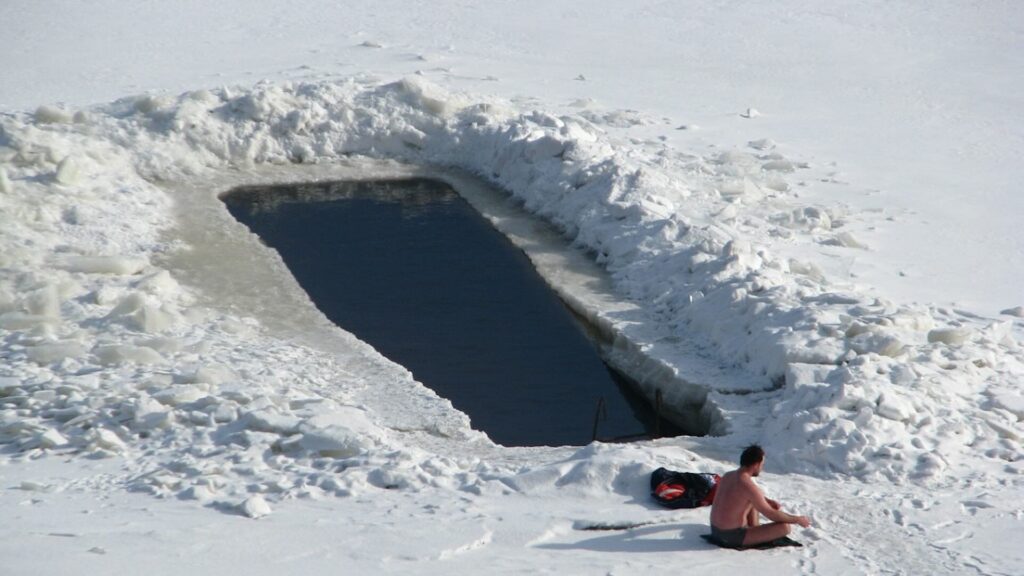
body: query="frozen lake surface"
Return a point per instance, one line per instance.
(798, 216)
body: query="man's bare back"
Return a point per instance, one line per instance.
(739, 502)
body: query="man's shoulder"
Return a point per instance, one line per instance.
(747, 481)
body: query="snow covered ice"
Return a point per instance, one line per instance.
(164, 381)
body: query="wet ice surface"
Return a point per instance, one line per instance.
(413, 269)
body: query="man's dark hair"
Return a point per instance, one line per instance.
(751, 455)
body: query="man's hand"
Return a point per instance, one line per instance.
(773, 504)
(803, 521)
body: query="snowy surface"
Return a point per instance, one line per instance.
(803, 219)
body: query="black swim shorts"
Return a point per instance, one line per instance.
(732, 537)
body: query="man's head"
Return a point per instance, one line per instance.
(752, 459)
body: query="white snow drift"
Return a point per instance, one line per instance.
(107, 353)
(785, 215)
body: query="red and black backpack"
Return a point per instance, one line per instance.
(683, 489)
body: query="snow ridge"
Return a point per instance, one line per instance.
(105, 353)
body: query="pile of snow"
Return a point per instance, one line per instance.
(106, 353)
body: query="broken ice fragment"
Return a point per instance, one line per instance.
(254, 507)
(68, 171)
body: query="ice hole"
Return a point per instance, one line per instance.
(413, 269)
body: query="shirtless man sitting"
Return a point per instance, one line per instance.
(735, 519)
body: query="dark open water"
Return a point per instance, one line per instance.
(411, 268)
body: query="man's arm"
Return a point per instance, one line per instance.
(770, 511)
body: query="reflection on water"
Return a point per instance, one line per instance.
(413, 196)
(411, 268)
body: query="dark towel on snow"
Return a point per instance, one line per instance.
(777, 543)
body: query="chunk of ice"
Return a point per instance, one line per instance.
(255, 507)
(102, 265)
(950, 336)
(52, 115)
(5, 183)
(68, 171)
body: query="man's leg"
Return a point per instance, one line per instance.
(753, 518)
(767, 533)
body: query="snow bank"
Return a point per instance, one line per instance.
(107, 354)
